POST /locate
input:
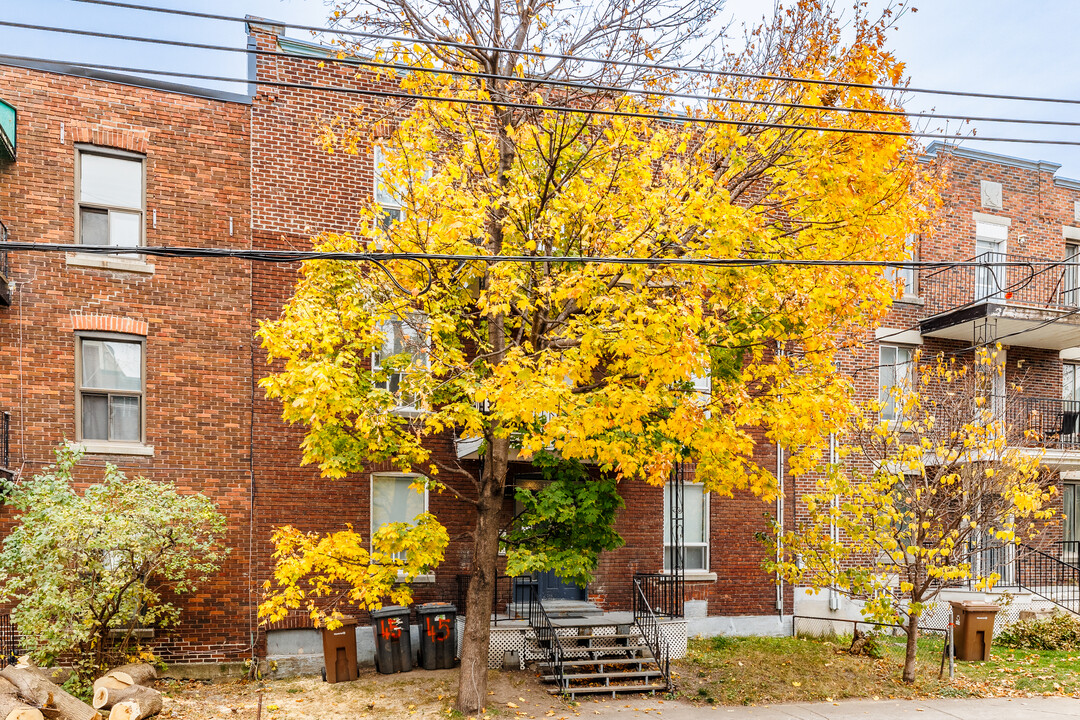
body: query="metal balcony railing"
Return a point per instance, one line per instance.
(1055, 286)
(1046, 422)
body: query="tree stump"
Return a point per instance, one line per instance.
(12, 708)
(136, 708)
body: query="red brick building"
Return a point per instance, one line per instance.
(125, 161)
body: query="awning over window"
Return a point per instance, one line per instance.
(7, 131)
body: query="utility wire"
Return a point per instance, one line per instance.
(358, 62)
(581, 58)
(287, 256)
(670, 117)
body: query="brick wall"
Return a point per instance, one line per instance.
(194, 313)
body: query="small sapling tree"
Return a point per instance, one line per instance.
(922, 498)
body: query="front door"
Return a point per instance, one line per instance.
(552, 587)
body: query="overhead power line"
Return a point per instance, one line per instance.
(359, 62)
(286, 256)
(581, 58)
(668, 117)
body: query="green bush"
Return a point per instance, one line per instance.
(1057, 632)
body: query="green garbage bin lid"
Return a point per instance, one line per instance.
(390, 611)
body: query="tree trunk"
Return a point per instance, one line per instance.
(126, 676)
(70, 707)
(912, 647)
(472, 680)
(12, 708)
(108, 697)
(30, 686)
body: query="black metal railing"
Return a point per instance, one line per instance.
(5, 439)
(1068, 551)
(9, 641)
(1043, 286)
(1048, 577)
(511, 600)
(648, 624)
(1045, 421)
(665, 593)
(546, 637)
(3, 253)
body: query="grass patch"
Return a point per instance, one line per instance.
(766, 670)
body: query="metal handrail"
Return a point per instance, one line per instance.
(1048, 577)
(516, 603)
(546, 637)
(665, 592)
(649, 626)
(1046, 286)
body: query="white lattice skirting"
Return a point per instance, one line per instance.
(522, 641)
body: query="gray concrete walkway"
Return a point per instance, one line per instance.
(1041, 708)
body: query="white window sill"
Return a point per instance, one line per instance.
(110, 262)
(104, 447)
(428, 579)
(696, 576)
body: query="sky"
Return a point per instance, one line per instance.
(997, 46)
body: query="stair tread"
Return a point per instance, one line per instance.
(596, 676)
(609, 689)
(611, 661)
(597, 637)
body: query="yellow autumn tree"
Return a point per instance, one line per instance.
(933, 495)
(597, 277)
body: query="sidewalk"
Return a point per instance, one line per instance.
(1039, 708)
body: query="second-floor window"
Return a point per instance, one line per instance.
(1070, 405)
(111, 389)
(393, 500)
(894, 371)
(1071, 285)
(110, 197)
(906, 275)
(407, 339)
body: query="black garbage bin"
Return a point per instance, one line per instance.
(438, 635)
(393, 646)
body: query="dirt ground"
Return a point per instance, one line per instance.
(418, 694)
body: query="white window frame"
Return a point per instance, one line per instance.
(427, 578)
(1070, 294)
(885, 393)
(988, 279)
(384, 193)
(84, 150)
(907, 274)
(706, 530)
(96, 445)
(386, 326)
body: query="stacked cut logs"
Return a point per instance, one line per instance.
(124, 690)
(28, 692)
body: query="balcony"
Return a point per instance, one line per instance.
(1028, 305)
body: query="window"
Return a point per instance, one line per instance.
(905, 276)
(111, 385)
(1071, 519)
(386, 195)
(401, 337)
(1071, 290)
(1070, 403)
(393, 500)
(990, 247)
(111, 198)
(894, 370)
(695, 527)
(703, 388)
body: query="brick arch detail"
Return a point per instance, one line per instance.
(121, 138)
(110, 323)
